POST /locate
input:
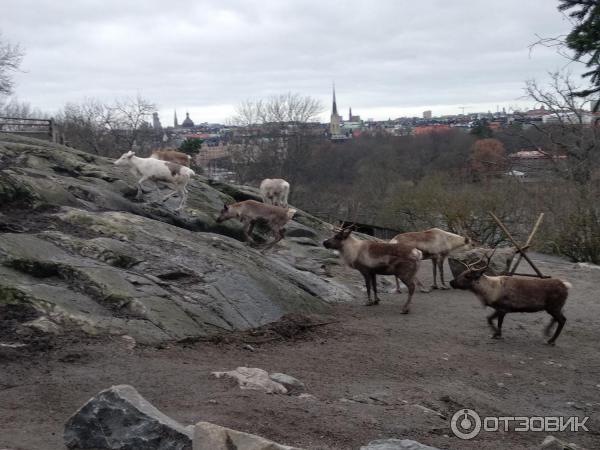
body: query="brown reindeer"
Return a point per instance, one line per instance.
(373, 258)
(436, 245)
(508, 294)
(249, 212)
(172, 156)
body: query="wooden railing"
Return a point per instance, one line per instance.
(40, 128)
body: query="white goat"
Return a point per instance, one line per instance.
(153, 169)
(275, 191)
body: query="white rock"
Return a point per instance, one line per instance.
(253, 378)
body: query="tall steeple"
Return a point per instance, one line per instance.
(175, 123)
(350, 114)
(334, 124)
(334, 108)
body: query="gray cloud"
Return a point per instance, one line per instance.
(386, 57)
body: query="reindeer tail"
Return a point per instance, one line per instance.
(291, 212)
(567, 284)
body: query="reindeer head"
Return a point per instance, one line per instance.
(473, 272)
(226, 214)
(125, 159)
(337, 241)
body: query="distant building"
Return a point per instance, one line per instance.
(175, 122)
(352, 118)
(156, 122)
(427, 114)
(187, 122)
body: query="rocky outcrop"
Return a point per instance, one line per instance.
(120, 418)
(77, 248)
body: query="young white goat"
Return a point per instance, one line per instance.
(436, 245)
(250, 211)
(176, 175)
(275, 191)
(172, 156)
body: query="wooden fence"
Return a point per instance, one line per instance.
(38, 128)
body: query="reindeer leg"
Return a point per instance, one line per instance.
(422, 287)
(398, 286)
(490, 319)
(248, 226)
(374, 284)
(410, 283)
(367, 278)
(561, 319)
(441, 267)
(140, 185)
(279, 234)
(434, 262)
(500, 320)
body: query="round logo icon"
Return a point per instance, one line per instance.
(465, 424)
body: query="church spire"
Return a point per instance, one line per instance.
(334, 109)
(175, 123)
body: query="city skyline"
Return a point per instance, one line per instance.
(387, 61)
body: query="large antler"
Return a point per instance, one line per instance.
(474, 266)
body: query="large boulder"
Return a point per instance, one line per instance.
(80, 251)
(396, 444)
(499, 264)
(120, 418)
(208, 436)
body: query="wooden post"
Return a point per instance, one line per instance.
(528, 243)
(519, 248)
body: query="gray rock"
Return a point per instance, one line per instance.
(88, 256)
(396, 444)
(253, 378)
(120, 418)
(552, 443)
(291, 384)
(499, 264)
(208, 436)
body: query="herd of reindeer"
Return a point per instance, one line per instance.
(400, 257)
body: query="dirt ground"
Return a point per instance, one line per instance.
(374, 372)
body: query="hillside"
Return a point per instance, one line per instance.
(77, 251)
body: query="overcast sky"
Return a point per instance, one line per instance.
(387, 58)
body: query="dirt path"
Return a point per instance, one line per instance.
(367, 371)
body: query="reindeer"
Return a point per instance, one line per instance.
(508, 294)
(173, 156)
(373, 258)
(436, 245)
(275, 191)
(250, 211)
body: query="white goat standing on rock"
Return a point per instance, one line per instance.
(275, 191)
(176, 175)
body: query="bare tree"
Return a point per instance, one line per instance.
(277, 109)
(107, 129)
(10, 60)
(570, 137)
(273, 135)
(129, 119)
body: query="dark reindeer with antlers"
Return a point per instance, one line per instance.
(372, 258)
(509, 294)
